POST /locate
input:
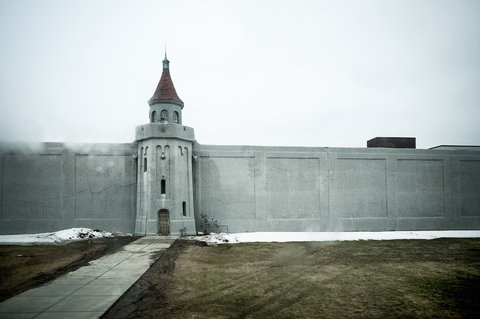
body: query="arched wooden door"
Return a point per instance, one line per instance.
(163, 222)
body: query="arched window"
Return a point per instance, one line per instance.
(175, 117)
(154, 116)
(145, 165)
(164, 116)
(184, 208)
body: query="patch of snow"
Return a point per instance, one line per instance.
(223, 238)
(59, 237)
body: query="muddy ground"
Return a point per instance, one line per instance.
(151, 289)
(362, 279)
(24, 267)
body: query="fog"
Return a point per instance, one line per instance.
(301, 73)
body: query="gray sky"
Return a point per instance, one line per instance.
(304, 73)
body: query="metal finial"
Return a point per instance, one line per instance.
(165, 61)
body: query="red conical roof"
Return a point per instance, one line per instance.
(165, 89)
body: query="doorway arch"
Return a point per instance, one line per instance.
(163, 222)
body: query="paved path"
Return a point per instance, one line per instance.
(88, 291)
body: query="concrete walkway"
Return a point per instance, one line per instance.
(88, 291)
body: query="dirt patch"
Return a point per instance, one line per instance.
(362, 279)
(25, 267)
(149, 292)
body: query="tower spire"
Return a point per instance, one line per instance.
(165, 90)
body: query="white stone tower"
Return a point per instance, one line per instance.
(164, 177)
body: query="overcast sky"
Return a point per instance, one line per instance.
(303, 73)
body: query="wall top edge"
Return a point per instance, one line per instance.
(59, 147)
(131, 148)
(339, 150)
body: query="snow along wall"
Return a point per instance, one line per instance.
(51, 186)
(257, 188)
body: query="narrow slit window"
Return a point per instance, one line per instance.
(145, 165)
(163, 187)
(184, 208)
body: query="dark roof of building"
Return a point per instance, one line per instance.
(456, 147)
(165, 90)
(392, 142)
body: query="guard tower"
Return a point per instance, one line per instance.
(164, 180)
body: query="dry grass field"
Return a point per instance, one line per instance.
(362, 279)
(25, 267)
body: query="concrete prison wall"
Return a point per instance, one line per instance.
(51, 186)
(251, 188)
